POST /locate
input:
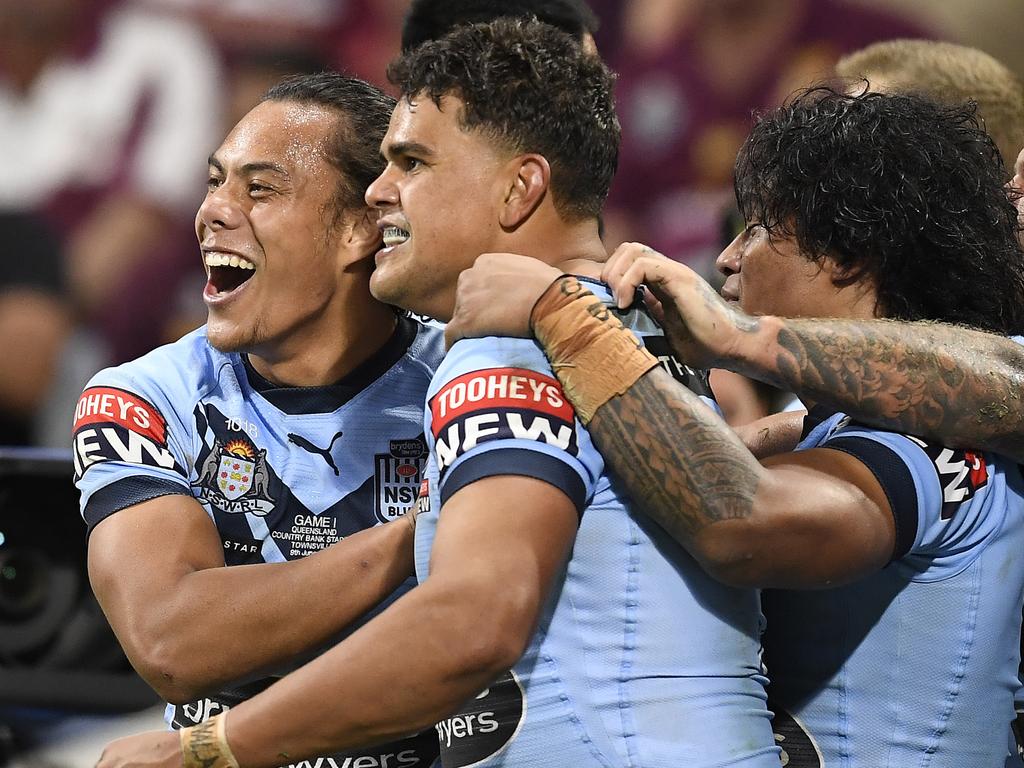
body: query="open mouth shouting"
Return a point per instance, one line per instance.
(228, 272)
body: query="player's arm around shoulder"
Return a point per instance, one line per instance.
(861, 498)
(499, 544)
(819, 518)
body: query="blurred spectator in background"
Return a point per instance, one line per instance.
(691, 71)
(106, 113)
(262, 24)
(950, 74)
(35, 320)
(432, 19)
(108, 108)
(368, 38)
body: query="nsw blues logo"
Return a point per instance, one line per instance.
(397, 477)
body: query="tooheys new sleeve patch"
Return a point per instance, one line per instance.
(116, 425)
(500, 404)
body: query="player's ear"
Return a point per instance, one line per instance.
(838, 273)
(529, 179)
(860, 288)
(361, 234)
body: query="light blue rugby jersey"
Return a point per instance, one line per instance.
(640, 658)
(281, 471)
(1018, 736)
(915, 665)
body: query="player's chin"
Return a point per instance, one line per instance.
(386, 285)
(228, 337)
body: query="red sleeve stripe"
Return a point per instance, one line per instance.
(108, 405)
(492, 388)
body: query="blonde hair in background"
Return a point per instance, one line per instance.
(950, 74)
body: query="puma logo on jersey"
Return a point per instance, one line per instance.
(305, 445)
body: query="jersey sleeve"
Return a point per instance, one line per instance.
(128, 445)
(935, 494)
(496, 408)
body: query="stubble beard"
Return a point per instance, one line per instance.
(239, 341)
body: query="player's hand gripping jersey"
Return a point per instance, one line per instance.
(640, 658)
(917, 663)
(281, 471)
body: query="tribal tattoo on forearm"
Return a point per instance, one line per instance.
(678, 460)
(962, 387)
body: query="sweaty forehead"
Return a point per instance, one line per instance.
(288, 134)
(421, 126)
(419, 116)
(416, 118)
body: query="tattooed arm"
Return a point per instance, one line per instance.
(800, 520)
(495, 298)
(962, 387)
(808, 519)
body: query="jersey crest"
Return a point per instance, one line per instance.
(235, 479)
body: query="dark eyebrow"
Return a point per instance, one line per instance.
(402, 148)
(257, 167)
(249, 167)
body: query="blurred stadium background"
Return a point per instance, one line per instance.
(108, 110)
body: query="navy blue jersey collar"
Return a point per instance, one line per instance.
(325, 399)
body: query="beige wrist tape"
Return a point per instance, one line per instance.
(594, 356)
(206, 746)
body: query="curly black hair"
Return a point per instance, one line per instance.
(433, 19)
(896, 189)
(531, 87)
(364, 112)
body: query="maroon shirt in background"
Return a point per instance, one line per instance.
(680, 135)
